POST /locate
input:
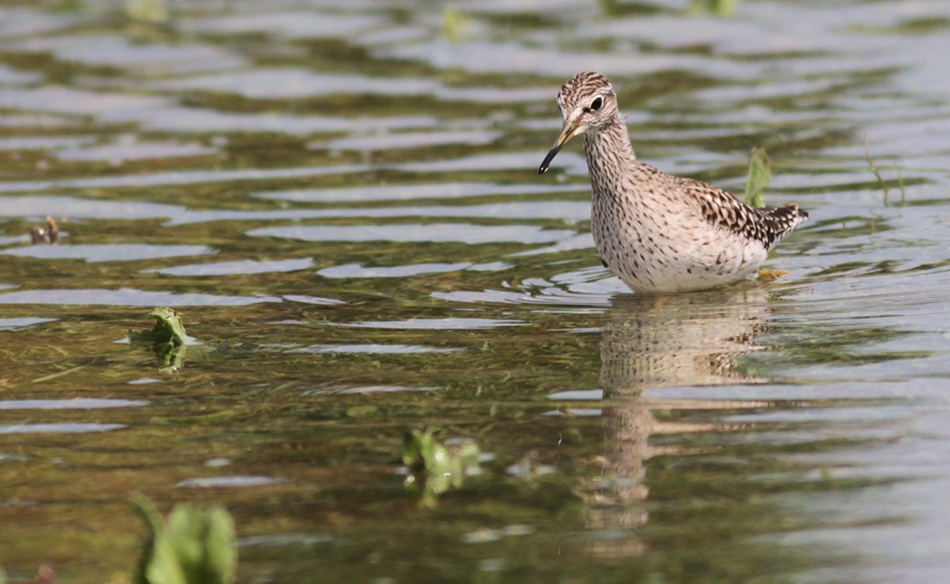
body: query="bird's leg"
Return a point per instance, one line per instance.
(658, 305)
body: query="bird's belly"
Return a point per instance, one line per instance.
(674, 256)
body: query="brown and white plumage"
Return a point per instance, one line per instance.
(657, 232)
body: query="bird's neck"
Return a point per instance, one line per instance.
(608, 149)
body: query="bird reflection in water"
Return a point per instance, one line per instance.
(652, 342)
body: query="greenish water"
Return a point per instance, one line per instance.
(342, 201)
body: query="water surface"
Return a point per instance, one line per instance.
(342, 201)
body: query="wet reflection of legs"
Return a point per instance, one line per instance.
(612, 512)
(685, 340)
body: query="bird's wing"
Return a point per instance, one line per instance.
(766, 224)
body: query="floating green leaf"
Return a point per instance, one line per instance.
(167, 338)
(759, 177)
(434, 468)
(195, 546)
(168, 328)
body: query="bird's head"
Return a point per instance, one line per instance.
(588, 103)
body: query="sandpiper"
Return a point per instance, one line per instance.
(657, 232)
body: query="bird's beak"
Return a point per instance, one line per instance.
(567, 132)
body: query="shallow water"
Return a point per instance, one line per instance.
(342, 201)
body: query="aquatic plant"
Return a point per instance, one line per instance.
(434, 468)
(877, 173)
(758, 178)
(167, 338)
(194, 546)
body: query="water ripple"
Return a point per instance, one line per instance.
(239, 481)
(112, 252)
(16, 323)
(358, 271)
(64, 428)
(371, 349)
(69, 404)
(438, 323)
(405, 192)
(239, 267)
(126, 297)
(432, 232)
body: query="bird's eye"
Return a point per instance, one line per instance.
(596, 104)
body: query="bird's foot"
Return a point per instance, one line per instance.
(658, 305)
(771, 275)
